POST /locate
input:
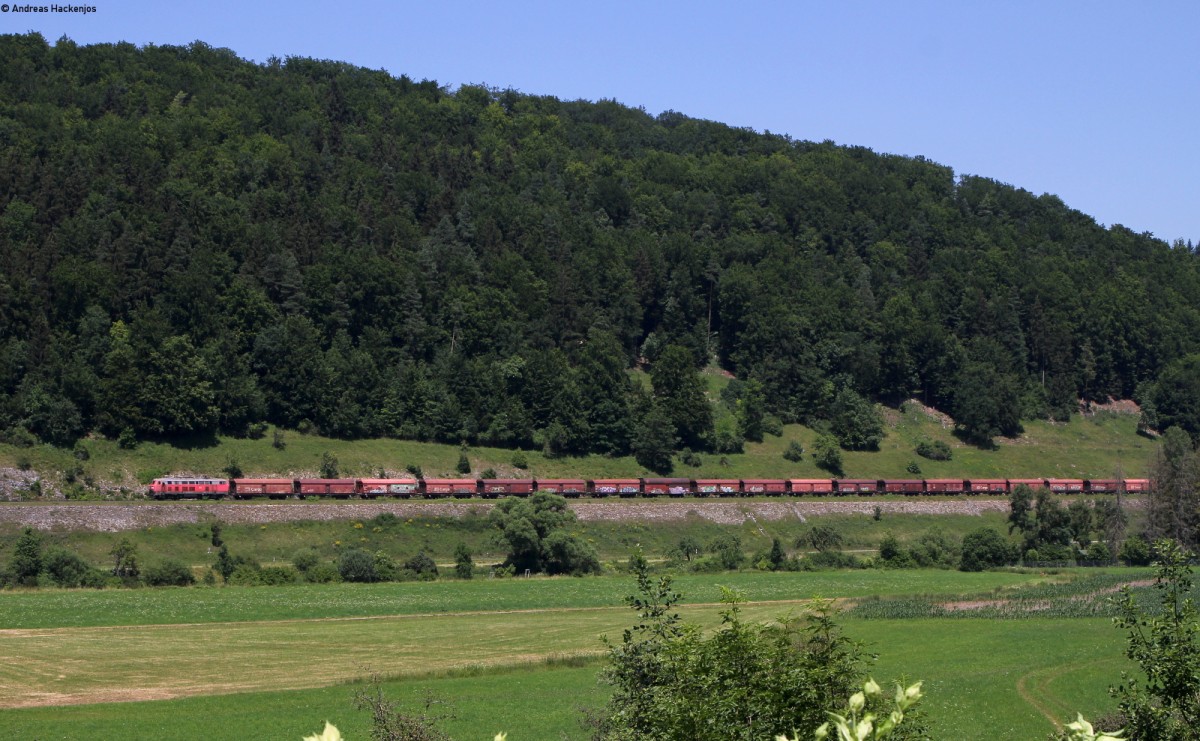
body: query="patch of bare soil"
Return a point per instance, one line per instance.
(945, 420)
(1038, 605)
(17, 484)
(1114, 406)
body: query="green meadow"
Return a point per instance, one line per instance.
(518, 655)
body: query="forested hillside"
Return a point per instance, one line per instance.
(190, 243)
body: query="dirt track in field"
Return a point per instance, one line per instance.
(116, 517)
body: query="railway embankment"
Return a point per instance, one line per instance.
(123, 516)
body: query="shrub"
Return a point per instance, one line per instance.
(567, 554)
(855, 422)
(827, 455)
(305, 560)
(169, 573)
(329, 465)
(727, 548)
(232, 468)
(1097, 552)
(690, 458)
(936, 549)
(934, 451)
(68, 569)
(741, 681)
(415, 470)
(256, 430)
(26, 561)
(1135, 551)
(226, 564)
(464, 463)
(487, 473)
(244, 575)
(356, 565)
(1165, 704)
(830, 560)
(322, 573)
(794, 452)
(422, 566)
(821, 537)
(386, 568)
(891, 553)
(726, 437)
(913, 468)
(985, 548)
(127, 440)
(19, 437)
(772, 425)
(520, 461)
(464, 565)
(277, 575)
(278, 439)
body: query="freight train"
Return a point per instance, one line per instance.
(197, 487)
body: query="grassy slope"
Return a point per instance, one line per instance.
(614, 541)
(1091, 447)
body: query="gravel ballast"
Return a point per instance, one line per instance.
(116, 517)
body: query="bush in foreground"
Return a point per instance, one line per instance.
(746, 681)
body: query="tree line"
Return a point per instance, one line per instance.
(191, 243)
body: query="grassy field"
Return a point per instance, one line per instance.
(1085, 447)
(273, 662)
(49, 609)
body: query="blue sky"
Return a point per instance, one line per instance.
(1096, 102)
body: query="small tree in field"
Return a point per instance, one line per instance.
(329, 465)
(464, 565)
(125, 559)
(27, 558)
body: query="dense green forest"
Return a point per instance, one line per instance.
(193, 243)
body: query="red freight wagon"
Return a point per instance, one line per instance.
(327, 487)
(769, 487)
(857, 486)
(1103, 486)
(450, 487)
(1137, 486)
(670, 487)
(622, 487)
(718, 487)
(263, 487)
(819, 487)
(566, 487)
(506, 487)
(944, 486)
(903, 486)
(176, 487)
(1031, 483)
(389, 487)
(1066, 486)
(987, 486)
